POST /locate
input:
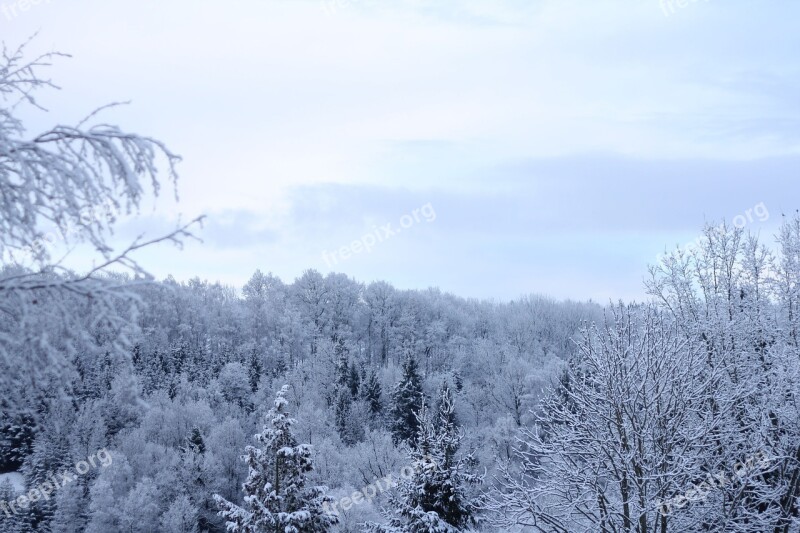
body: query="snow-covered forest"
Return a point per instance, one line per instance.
(326, 403)
(556, 416)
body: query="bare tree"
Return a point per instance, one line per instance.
(618, 435)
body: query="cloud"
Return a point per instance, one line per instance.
(571, 227)
(562, 144)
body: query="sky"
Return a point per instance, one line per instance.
(489, 148)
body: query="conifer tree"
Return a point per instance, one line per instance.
(195, 442)
(343, 408)
(354, 381)
(276, 496)
(10, 520)
(437, 497)
(406, 401)
(446, 407)
(372, 393)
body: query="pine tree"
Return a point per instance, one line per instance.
(436, 498)
(18, 425)
(276, 496)
(451, 480)
(340, 380)
(406, 401)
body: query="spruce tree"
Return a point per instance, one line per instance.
(458, 380)
(437, 497)
(343, 409)
(445, 406)
(354, 381)
(17, 432)
(342, 372)
(72, 508)
(10, 521)
(276, 496)
(254, 371)
(195, 442)
(281, 367)
(406, 401)
(340, 380)
(372, 394)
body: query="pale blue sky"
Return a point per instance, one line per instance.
(561, 143)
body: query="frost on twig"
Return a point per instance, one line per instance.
(71, 182)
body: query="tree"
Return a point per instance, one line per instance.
(181, 517)
(407, 399)
(108, 496)
(381, 302)
(63, 188)
(10, 521)
(354, 380)
(625, 429)
(17, 431)
(511, 388)
(233, 383)
(437, 496)
(343, 419)
(372, 392)
(445, 406)
(67, 185)
(458, 380)
(342, 374)
(276, 497)
(195, 443)
(311, 295)
(72, 511)
(738, 300)
(224, 442)
(254, 370)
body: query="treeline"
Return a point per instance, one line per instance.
(177, 398)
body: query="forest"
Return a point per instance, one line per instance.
(445, 414)
(328, 403)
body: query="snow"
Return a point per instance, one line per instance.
(16, 479)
